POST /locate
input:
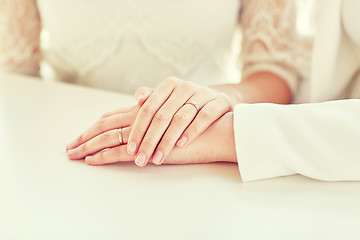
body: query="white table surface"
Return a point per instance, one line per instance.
(46, 196)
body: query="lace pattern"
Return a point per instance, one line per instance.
(19, 36)
(270, 40)
(138, 21)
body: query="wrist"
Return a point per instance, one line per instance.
(225, 144)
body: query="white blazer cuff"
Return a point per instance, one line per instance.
(257, 141)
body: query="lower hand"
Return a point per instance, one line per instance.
(214, 144)
(103, 134)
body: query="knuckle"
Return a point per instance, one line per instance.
(146, 109)
(105, 137)
(139, 91)
(146, 146)
(80, 139)
(105, 115)
(205, 115)
(206, 90)
(100, 124)
(171, 80)
(224, 98)
(165, 144)
(193, 130)
(181, 116)
(162, 115)
(84, 148)
(187, 86)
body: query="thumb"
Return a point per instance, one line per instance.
(142, 94)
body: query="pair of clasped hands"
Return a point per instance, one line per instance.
(178, 122)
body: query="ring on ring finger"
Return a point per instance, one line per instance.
(194, 105)
(120, 136)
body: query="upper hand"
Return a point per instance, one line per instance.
(175, 113)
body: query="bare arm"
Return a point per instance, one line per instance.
(268, 55)
(258, 87)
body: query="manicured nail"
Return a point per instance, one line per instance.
(131, 148)
(140, 160)
(182, 141)
(158, 157)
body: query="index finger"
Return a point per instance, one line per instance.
(147, 112)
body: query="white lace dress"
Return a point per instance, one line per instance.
(123, 44)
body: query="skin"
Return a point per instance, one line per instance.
(101, 134)
(164, 117)
(165, 120)
(99, 144)
(162, 132)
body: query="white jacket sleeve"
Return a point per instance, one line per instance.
(317, 140)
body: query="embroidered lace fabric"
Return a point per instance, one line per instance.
(121, 45)
(271, 41)
(19, 36)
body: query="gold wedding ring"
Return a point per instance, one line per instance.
(194, 105)
(120, 136)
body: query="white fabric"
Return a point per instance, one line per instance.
(336, 57)
(121, 45)
(350, 12)
(270, 36)
(318, 140)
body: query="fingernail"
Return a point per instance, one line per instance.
(158, 157)
(182, 141)
(140, 160)
(131, 148)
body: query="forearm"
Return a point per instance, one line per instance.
(257, 88)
